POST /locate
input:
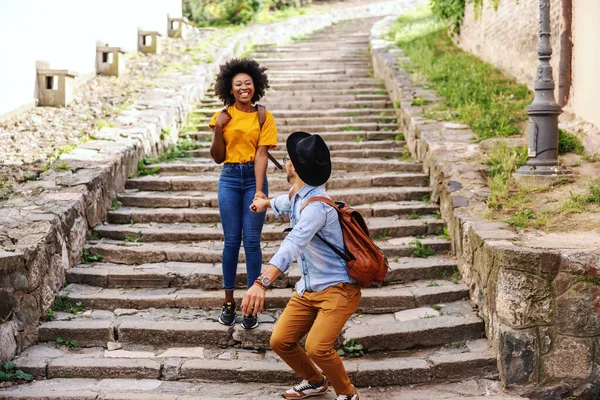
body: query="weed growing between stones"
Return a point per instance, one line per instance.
(116, 204)
(436, 307)
(399, 137)
(418, 249)
(350, 129)
(415, 215)
(63, 304)
(70, 344)
(10, 373)
(103, 123)
(444, 234)
(384, 234)
(433, 284)
(351, 349)
(359, 139)
(137, 239)
(89, 257)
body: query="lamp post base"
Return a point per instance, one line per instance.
(541, 176)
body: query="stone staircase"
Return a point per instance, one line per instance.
(152, 301)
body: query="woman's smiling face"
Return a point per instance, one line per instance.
(242, 88)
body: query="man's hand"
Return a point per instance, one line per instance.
(259, 205)
(223, 119)
(254, 300)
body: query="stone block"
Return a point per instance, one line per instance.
(110, 61)
(55, 87)
(519, 356)
(578, 310)
(523, 300)
(149, 42)
(570, 358)
(543, 263)
(177, 27)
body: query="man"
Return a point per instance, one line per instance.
(326, 296)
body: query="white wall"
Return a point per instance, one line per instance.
(585, 91)
(64, 33)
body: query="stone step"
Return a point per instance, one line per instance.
(121, 252)
(361, 153)
(344, 121)
(386, 299)
(325, 105)
(209, 276)
(192, 232)
(345, 136)
(188, 326)
(372, 85)
(155, 196)
(208, 176)
(342, 61)
(313, 127)
(322, 72)
(301, 91)
(140, 215)
(334, 146)
(145, 372)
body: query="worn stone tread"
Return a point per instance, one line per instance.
(222, 365)
(151, 389)
(209, 276)
(210, 251)
(192, 232)
(393, 297)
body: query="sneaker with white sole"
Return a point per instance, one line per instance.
(346, 397)
(305, 389)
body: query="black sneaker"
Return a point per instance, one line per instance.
(249, 322)
(227, 316)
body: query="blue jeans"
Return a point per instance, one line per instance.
(237, 186)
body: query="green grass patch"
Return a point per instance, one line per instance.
(569, 143)
(103, 123)
(70, 343)
(503, 162)
(89, 257)
(399, 137)
(471, 90)
(577, 202)
(350, 129)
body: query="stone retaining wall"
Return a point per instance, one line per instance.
(539, 297)
(44, 225)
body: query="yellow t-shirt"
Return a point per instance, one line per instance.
(243, 135)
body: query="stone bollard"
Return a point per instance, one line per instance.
(177, 27)
(110, 60)
(55, 87)
(149, 42)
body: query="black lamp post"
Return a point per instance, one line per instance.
(543, 111)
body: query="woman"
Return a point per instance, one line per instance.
(241, 144)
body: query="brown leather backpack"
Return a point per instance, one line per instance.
(366, 262)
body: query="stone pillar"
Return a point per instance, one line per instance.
(149, 42)
(110, 61)
(177, 27)
(55, 87)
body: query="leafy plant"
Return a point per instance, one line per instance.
(520, 219)
(103, 123)
(71, 344)
(569, 143)
(399, 137)
(50, 315)
(10, 373)
(116, 204)
(418, 249)
(351, 349)
(63, 303)
(359, 139)
(436, 307)
(383, 234)
(444, 233)
(433, 284)
(136, 239)
(63, 166)
(350, 129)
(89, 257)
(415, 215)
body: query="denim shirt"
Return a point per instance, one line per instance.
(319, 265)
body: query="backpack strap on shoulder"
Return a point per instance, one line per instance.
(262, 117)
(329, 202)
(322, 199)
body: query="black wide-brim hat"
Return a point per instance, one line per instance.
(310, 156)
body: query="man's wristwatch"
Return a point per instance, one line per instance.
(264, 282)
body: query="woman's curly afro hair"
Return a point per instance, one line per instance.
(235, 66)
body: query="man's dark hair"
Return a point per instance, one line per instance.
(232, 68)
